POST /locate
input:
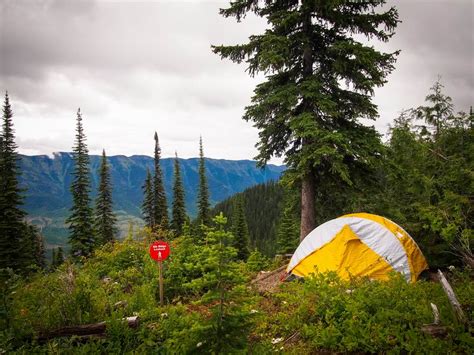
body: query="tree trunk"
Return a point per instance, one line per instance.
(308, 195)
(84, 330)
(308, 218)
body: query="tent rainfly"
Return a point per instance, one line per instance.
(359, 244)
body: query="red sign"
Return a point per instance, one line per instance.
(159, 250)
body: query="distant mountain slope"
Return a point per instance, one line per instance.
(47, 180)
(263, 205)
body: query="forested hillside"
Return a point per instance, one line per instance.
(263, 209)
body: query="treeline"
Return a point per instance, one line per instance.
(423, 180)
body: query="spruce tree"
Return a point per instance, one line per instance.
(148, 201)
(320, 81)
(80, 221)
(53, 259)
(105, 220)
(37, 250)
(287, 235)
(240, 230)
(226, 331)
(12, 225)
(179, 210)
(59, 256)
(204, 213)
(160, 207)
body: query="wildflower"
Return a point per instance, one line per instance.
(198, 344)
(276, 340)
(164, 315)
(451, 268)
(253, 311)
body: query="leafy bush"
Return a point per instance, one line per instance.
(361, 315)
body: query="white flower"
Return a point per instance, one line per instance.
(276, 340)
(199, 344)
(451, 268)
(164, 315)
(349, 291)
(284, 302)
(253, 311)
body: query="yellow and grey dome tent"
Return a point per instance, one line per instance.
(359, 244)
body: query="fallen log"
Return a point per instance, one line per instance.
(461, 318)
(85, 330)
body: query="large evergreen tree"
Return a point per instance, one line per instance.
(240, 230)
(179, 209)
(204, 214)
(12, 226)
(105, 219)
(148, 201)
(160, 207)
(80, 221)
(320, 81)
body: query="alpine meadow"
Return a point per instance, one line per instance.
(243, 177)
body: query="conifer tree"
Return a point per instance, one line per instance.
(39, 256)
(440, 111)
(204, 214)
(59, 256)
(12, 225)
(53, 259)
(227, 329)
(160, 207)
(179, 210)
(148, 201)
(80, 221)
(287, 235)
(240, 230)
(319, 81)
(105, 220)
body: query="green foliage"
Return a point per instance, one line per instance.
(360, 316)
(288, 230)
(240, 231)
(12, 227)
(160, 207)
(57, 258)
(179, 209)
(81, 238)
(225, 293)
(147, 205)
(257, 261)
(104, 219)
(262, 212)
(204, 216)
(429, 180)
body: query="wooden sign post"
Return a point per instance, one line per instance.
(159, 251)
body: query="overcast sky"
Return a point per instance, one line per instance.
(134, 67)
